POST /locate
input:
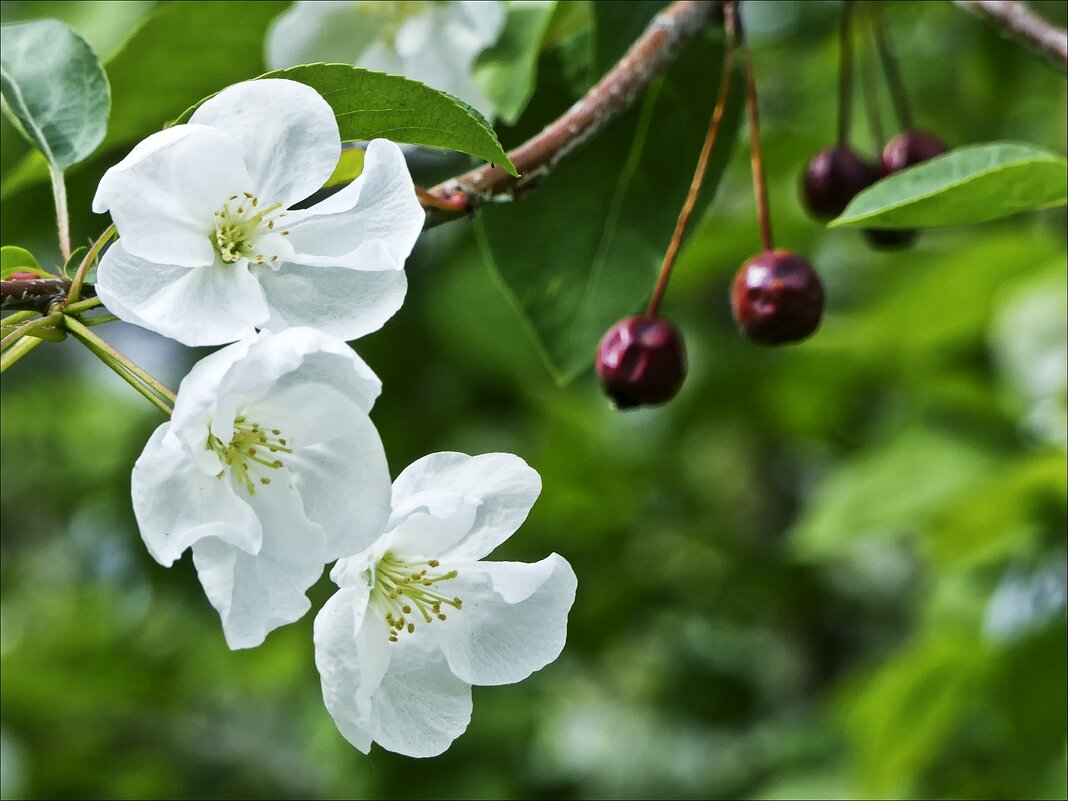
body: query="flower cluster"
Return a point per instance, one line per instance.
(270, 468)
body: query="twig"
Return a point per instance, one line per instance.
(1024, 25)
(37, 294)
(695, 184)
(647, 58)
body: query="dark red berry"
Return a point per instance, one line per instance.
(777, 297)
(835, 176)
(908, 148)
(641, 362)
(890, 238)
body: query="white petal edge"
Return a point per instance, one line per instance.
(347, 303)
(338, 662)
(319, 30)
(286, 131)
(209, 305)
(163, 196)
(176, 505)
(505, 485)
(379, 206)
(344, 485)
(513, 621)
(255, 594)
(420, 707)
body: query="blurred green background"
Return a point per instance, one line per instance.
(829, 570)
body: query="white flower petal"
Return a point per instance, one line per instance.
(420, 707)
(286, 131)
(513, 620)
(208, 305)
(338, 661)
(344, 484)
(163, 196)
(278, 363)
(319, 30)
(504, 484)
(256, 594)
(177, 505)
(347, 303)
(379, 206)
(431, 523)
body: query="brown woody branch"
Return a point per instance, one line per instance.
(649, 57)
(37, 294)
(1024, 25)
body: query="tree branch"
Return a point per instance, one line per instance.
(649, 57)
(1021, 23)
(36, 294)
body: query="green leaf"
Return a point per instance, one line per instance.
(18, 260)
(968, 185)
(891, 491)
(54, 87)
(179, 53)
(507, 71)
(372, 104)
(75, 261)
(583, 249)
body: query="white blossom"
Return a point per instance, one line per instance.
(268, 469)
(420, 618)
(210, 247)
(435, 43)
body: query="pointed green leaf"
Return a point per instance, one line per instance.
(372, 104)
(968, 185)
(54, 88)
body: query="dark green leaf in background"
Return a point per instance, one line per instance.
(583, 250)
(967, 185)
(54, 87)
(507, 71)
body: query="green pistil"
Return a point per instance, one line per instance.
(247, 453)
(239, 220)
(401, 585)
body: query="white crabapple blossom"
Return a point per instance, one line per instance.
(210, 246)
(435, 43)
(269, 469)
(420, 617)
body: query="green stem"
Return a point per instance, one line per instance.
(103, 318)
(83, 268)
(102, 348)
(13, 319)
(17, 351)
(81, 306)
(59, 192)
(24, 329)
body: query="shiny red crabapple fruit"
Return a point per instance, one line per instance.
(777, 298)
(908, 148)
(835, 176)
(641, 362)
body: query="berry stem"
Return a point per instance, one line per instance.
(871, 93)
(760, 184)
(695, 185)
(893, 74)
(845, 74)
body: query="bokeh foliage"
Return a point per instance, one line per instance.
(829, 570)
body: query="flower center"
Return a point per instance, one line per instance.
(390, 16)
(401, 586)
(239, 223)
(251, 452)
